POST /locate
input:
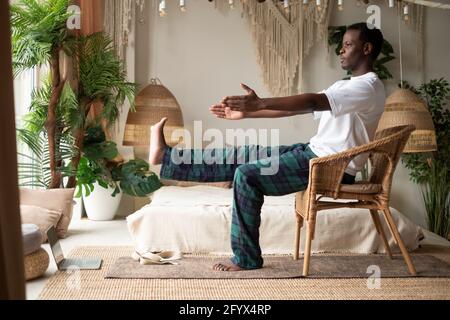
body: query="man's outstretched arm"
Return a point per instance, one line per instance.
(299, 104)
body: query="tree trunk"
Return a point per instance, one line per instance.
(79, 139)
(50, 124)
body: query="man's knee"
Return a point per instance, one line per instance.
(243, 173)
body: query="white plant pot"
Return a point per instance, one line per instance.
(100, 205)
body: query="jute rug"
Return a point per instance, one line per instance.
(278, 267)
(93, 284)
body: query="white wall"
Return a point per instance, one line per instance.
(203, 54)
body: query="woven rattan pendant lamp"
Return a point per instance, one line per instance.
(153, 103)
(404, 107)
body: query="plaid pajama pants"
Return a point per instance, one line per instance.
(249, 184)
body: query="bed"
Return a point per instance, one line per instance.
(198, 220)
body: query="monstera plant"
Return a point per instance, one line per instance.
(98, 165)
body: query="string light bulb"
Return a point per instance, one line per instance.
(231, 3)
(391, 3)
(340, 5)
(406, 12)
(182, 6)
(162, 8)
(319, 4)
(305, 4)
(286, 5)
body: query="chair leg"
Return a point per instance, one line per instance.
(297, 236)
(307, 254)
(396, 235)
(380, 231)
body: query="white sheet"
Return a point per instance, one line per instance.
(198, 219)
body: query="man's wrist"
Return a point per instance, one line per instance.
(263, 103)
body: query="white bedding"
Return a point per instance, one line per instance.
(198, 219)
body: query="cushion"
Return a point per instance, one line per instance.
(365, 188)
(36, 264)
(31, 238)
(42, 217)
(53, 199)
(178, 183)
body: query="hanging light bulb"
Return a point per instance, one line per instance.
(286, 5)
(319, 4)
(406, 12)
(391, 3)
(162, 8)
(231, 3)
(340, 5)
(182, 6)
(305, 4)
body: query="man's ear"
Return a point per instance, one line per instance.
(368, 48)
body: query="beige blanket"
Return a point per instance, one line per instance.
(198, 219)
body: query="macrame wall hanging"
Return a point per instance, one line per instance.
(283, 38)
(119, 18)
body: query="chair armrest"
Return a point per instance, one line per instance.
(326, 173)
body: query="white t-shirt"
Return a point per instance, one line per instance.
(356, 108)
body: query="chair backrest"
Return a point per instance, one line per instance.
(385, 157)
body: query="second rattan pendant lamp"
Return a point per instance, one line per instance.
(404, 107)
(153, 103)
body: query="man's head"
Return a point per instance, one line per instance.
(361, 45)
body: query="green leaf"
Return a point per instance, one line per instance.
(102, 150)
(136, 179)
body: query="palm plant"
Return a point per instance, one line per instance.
(39, 36)
(432, 170)
(34, 167)
(101, 79)
(55, 127)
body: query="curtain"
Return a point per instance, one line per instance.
(92, 12)
(12, 274)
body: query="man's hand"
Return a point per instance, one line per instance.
(224, 112)
(248, 103)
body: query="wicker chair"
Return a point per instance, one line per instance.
(325, 181)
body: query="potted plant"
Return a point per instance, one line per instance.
(102, 180)
(432, 170)
(40, 37)
(59, 113)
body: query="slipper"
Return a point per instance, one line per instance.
(162, 257)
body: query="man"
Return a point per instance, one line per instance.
(350, 111)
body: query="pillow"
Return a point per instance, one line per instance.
(53, 199)
(31, 238)
(42, 217)
(178, 183)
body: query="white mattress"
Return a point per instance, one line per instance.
(198, 219)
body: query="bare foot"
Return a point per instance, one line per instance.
(226, 267)
(157, 142)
